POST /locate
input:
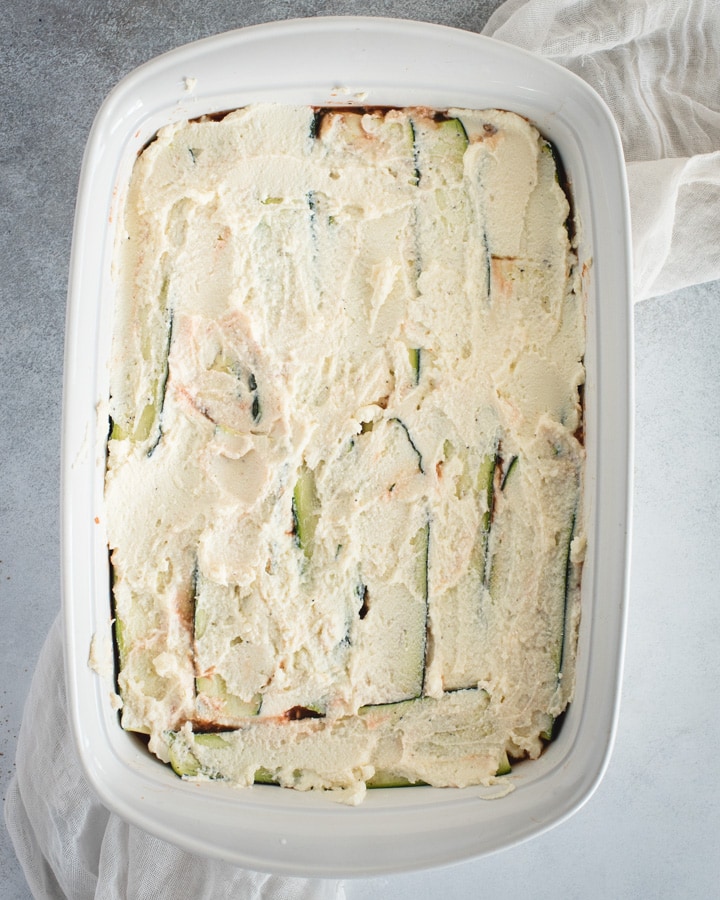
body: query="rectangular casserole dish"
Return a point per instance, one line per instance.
(363, 62)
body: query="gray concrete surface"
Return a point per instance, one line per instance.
(650, 831)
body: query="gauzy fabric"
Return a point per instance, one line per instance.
(656, 63)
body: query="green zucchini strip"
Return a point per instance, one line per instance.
(487, 478)
(458, 620)
(305, 509)
(548, 733)
(148, 419)
(438, 148)
(415, 356)
(411, 442)
(389, 642)
(214, 701)
(463, 718)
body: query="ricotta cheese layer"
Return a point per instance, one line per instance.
(345, 464)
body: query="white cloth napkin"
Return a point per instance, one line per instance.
(72, 848)
(656, 63)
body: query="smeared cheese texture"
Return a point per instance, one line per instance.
(345, 466)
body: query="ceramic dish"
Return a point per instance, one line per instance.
(376, 62)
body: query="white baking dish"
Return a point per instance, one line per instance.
(374, 62)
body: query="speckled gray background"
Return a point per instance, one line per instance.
(651, 830)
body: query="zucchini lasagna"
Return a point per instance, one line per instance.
(345, 461)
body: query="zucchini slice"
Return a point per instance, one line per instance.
(530, 582)
(445, 741)
(216, 654)
(458, 593)
(305, 509)
(217, 703)
(387, 656)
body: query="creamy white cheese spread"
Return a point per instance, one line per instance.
(344, 476)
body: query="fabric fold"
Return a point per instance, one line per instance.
(72, 848)
(655, 64)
